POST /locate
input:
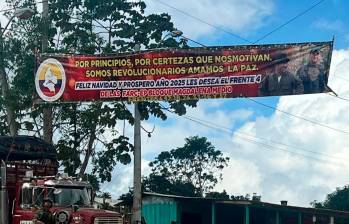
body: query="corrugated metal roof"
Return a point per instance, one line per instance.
(24, 147)
(256, 204)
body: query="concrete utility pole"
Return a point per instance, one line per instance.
(137, 167)
(47, 112)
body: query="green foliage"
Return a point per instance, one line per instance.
(337, 200)
(104, 196)
(104, 162)
(89, 132)
(93, 180)
(218, 195)
(163, 185)
(127, 198)
(196, 167)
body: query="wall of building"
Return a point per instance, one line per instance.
(157, 210)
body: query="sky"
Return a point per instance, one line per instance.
(295, 160)
(298, 158)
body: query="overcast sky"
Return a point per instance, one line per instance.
(295, 160)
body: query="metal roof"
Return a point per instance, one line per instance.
(258, 204)
(24, 147)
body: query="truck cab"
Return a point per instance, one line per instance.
(32, 176)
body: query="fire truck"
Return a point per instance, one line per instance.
(29, 173)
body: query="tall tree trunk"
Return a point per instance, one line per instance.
(10, 113)
(89, 150)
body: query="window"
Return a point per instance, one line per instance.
(27, 197)
(71, 196)
(38, 196)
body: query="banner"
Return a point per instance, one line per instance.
(186, 74)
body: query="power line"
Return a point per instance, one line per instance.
(264, 139)
(187, 38)
(289, 21)
(203, 21)
(338, 97)
(224, 30)
(298, 117)
(265, 145)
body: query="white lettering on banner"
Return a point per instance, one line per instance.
(165, 83)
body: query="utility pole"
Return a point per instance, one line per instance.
(137, 167)
(47, 111)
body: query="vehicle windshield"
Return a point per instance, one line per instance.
(70, 196)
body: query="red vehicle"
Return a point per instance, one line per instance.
(29, 174)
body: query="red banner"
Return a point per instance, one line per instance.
(186, 74)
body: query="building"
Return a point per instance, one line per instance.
(98, 202)
(171, 209)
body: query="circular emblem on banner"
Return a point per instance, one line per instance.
(50, 80)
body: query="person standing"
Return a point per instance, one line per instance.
(313, 74)
(281, 81)
(44, 215)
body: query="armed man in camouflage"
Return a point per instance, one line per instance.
(313, 74)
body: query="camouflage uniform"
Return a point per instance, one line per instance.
(313, 77)
(288, 85)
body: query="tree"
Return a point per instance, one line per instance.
(196, 166)
(337, 200)
(163, 185)
(127, 198)
(105, 196)
(84, 133)
(218, 195)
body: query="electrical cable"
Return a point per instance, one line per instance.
(265, 139)
(203, 21)
(226, 31)
(298, 117)
(338, 97)
(265, 145)
(279, 27)
(289, 21)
